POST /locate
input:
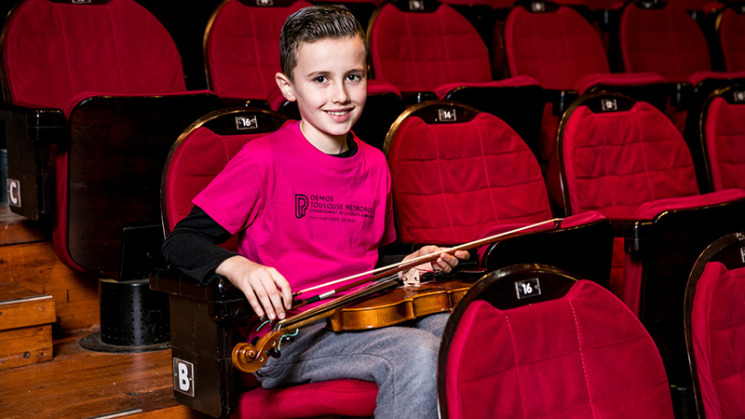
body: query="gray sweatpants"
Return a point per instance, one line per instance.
(402, 360)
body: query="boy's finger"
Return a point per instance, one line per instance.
(263, 296)
(273, 296)
(254, 303)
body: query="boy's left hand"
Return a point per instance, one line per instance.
(445, 263)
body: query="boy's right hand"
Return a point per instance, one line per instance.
(267, 291)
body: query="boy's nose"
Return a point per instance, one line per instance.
(340, 93)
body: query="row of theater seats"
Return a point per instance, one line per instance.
(545, 53)
(626, 182)
(91, 120)
(524, 65)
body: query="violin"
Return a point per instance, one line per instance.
(382, 302)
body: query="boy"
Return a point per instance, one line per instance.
(313, 204)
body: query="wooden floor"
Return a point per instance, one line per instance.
(78, 383)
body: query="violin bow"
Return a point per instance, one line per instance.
(388, 270)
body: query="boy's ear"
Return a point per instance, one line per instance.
(285, 86)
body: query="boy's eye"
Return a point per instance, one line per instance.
(320, 79)
(354, 77)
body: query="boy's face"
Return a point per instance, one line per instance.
(330, 87)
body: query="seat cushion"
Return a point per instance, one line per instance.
(724, 135)
(556, 48)
(666, 41)
(329, 398)
(616, 161)
(454, 182)
(53, 51)
(592, 359)
(732, 39)
(242, 49)
(420, 51)
(718, 332)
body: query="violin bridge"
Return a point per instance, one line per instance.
(411, 278)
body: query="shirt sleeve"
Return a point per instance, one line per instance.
(193, 246)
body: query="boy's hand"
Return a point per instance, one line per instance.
(264, 287)
(446, 262)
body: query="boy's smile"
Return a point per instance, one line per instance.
(330, 87)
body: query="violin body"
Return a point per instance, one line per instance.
(399, 305)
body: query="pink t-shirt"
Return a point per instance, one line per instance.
(313, 217)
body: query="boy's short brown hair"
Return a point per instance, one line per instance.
(315, 23)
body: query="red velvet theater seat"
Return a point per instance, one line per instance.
(204, 318)
(559, 47)
(715, 331)
(626, 160)
(722, 139)
(430, 51)
(241, 49)
(94, 94)
(556, 347)
(459, 175)
(730, 33)
(457, 172)
(361, 9)
(662, 37)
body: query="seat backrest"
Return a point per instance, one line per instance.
(713, 318)
(614, 154)
(533, 341)
(457, 172)
(54, 50)
(730, 29)
(241, 47)
(555, 45)
(661, 37)
(361, 9)
(107, 172)
(203, 150)
(420, 45)
(722, 138)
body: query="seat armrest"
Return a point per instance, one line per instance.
(584, 249)
(204, 322)
(227, 302)
(41, 126)
(681, 95)
(640, 237)
(561, 99)
(27, 134)
(412, 98)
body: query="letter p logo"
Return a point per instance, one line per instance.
(301, 204)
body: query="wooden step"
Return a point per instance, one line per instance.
(18, 229)
(26, 319)
(27, 259)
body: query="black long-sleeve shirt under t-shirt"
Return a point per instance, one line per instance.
(192, 246)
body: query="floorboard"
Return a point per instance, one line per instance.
(78, 383)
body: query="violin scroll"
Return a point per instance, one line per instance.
(249, 358)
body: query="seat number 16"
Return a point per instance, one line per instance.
(528, 288)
